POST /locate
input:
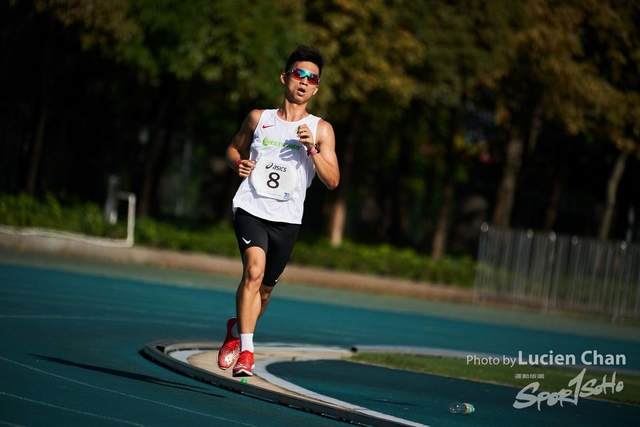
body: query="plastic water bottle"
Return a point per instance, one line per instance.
(461, 408)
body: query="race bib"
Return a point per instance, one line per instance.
(274, 180)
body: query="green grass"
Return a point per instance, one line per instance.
(194, 235)
(551, 379)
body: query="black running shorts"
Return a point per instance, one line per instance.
(275, 238)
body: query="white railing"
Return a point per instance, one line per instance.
(78, 237)
(558, 273)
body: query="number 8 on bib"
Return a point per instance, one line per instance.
(274, 180)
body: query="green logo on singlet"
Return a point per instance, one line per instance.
(266, 142)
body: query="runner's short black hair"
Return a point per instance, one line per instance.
(306, 53)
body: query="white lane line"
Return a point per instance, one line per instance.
(102, 319)
(299, 350)
(184, 355)
(71, 410)
(7, 423)
(124, 394)
(261, 371)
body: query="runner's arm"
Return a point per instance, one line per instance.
(240, 143)
(326, 160)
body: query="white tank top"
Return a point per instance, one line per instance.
(277, 187)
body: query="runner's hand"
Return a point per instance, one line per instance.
(245, 167)
(306, 137)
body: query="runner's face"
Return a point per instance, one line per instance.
(300, 91)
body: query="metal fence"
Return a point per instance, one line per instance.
(558, 273)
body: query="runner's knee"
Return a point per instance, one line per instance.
(253, 275)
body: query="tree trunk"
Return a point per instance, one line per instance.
(34, 164)
(612, 191)
(439, 241)
(46, 81)
(513, 163)
(536, 128)
(399, 188)
(156, 141)
(338, 216)
(439, 246)
(155, 146)
(509, 182)
(551, 212)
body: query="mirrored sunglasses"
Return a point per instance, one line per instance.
(300, 74)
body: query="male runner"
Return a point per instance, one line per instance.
(288, 146)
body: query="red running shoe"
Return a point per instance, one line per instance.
(244, 365)
(230, 350)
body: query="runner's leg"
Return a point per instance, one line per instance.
(265, 297)
(248, 297)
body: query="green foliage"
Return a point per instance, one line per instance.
(384, 260)
(239, 43)
(86, 218)
(369, 51)
(218, 240)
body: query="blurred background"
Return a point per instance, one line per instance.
(524, 114)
